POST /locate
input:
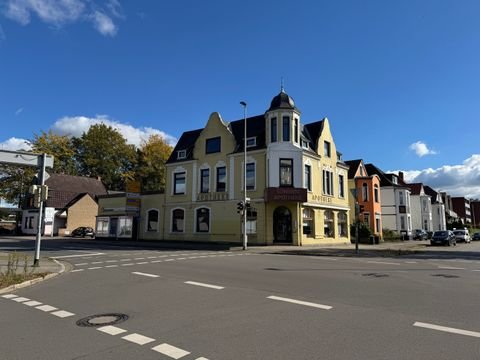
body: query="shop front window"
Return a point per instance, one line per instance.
(342, 224)
(328, 224)
(308, 216)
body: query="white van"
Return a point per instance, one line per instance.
(462, 235)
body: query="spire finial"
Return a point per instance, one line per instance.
(282, 88)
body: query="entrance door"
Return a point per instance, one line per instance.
(113, 227)
(282, 225)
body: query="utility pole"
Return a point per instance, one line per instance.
(245, 238)
(38, 239)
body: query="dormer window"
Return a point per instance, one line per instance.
(394, 180)
(181, 154)
(305, 144)
(251, 141)
(213, 145)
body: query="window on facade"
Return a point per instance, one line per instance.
(295, 130)
(308, 178)
(425, 224)
(327, 182)
(402, 222)
(221, 179)
(203, 220)
(327, 149)
(205, 180)
(375, 193)
(365, 191)
(125, 225)
(328, 229)
(178, 220)
(401, 198)
(286, 172)
(181, 154)
(213, 145)
(250, 176)
(366, 219)
(251, 141)
(251, 227)
(424, 204)
(377, 225)
(102, 226)
(286, 128)
(341, 186)
(152, 220)
(342, 224)
(308, 221)
(26, 223)
(30, 222)
(394, 180)
(273, 130)
(305, 144)
(179, 183)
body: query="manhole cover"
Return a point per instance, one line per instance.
(375, 275)
(448, 276)
(102, 320)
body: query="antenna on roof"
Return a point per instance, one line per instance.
(282, 89)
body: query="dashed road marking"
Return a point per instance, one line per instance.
(111, 330)
(81, 264)
(46, 308)
(216, 287)
(170, 351)
(142, 263)
(97, 262)
(80, 255)
(145, 274)
(111, 261)
(126, 260)
(111, 266)
(156, 261)
(20, 299)
(383, 263)
(139, 258)
(94, 268)
(32, 303)
(77, 270)
(129, 264)
(298, 302)
(447, 329)
(138, 339)
(9, 296)
(451, 268)
(62, 313)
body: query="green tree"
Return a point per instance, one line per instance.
(14, 182)
(152, 156)
(62, 148)
(103, 152)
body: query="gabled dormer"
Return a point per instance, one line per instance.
(282, 121)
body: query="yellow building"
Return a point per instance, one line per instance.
(296, 182)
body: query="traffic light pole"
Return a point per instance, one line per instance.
(38, 240)
(245, 238)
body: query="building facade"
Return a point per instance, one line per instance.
(295, 178)
(439, 221)
(421, 207)
(461, 206)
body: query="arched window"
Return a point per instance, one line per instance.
(152, 220)
(203, 220)
(178, 220)
(308, 217)
(342, 223)
(329, 231)
(375, 193)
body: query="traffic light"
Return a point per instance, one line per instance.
(36, 199)
(43, 192)
(240, 207)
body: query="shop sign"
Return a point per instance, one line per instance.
(214, 196)
(286, 194)
(321, 198)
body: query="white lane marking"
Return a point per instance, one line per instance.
(410, 262)
(32, 303)
(46, 308)
(451, 268)
(129, 264)
(170, 351)
(139, 258)
(204, 285)
(72, 256)
(95, 268)
(142, 263)
(20, 299)
(201, 358)
(77, 270)
(138, 339)
(151, 257)
(306, 303)
(156, 261)
(111, 266)
(81, 264)
(145, 274)
(383, 263)
(447, 329)
(97, 262)
(126, 260)
(111, 330)
(9, 296)
(110, 261)
(62, 313)
(170, 260)
(475, 270)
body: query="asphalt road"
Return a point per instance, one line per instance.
(229, 304)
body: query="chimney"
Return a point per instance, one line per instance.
(400, 175)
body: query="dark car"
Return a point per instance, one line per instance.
(420, 234)
(476, 236)
(83, 231)
(445, 237)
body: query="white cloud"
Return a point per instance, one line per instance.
(77, 125)
(61, 12)
(19, 111)
(457, 180)
(421, 149)
(15, 144)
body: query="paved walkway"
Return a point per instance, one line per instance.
(46, 265)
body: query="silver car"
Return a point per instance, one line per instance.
(462, 235)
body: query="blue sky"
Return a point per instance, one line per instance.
(399, 81)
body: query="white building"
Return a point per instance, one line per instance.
(439, 221)
(421, 207)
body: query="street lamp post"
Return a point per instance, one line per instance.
(245, 238)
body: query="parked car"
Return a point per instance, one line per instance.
(462, 235)
(83, 231)
(476, 236)
(444, 237)
(420, 234)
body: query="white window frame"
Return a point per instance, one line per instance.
(146, 220)
(171, 220)
(254, 162)
(209, 220)
(181, 154)
(177, 171)
(254, 138)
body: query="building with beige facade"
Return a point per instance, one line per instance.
(295, 178)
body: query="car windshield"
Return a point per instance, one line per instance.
(459, 232)
(440, 233)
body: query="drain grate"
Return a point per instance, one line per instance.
(448, 276)
(102, 320)
(378, 275)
